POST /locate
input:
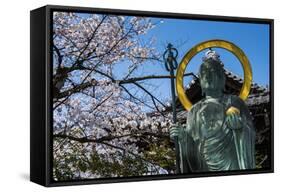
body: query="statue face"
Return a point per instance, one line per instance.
(211, 77)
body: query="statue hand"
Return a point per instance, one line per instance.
(234, 121)
(174, 130)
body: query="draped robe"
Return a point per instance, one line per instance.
(206, 143)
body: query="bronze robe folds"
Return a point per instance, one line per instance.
(206, 142)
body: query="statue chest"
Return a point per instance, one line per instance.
(210, 118)
(214, 139)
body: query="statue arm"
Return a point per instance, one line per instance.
(244, 137)
(191, 160)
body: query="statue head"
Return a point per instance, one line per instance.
(211, 74)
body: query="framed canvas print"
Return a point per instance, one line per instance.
(125, 95)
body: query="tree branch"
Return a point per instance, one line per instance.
(108, 138)
(134, 79)
(121, 82)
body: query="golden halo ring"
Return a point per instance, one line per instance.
(216, 43)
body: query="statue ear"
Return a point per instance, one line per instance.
(199, 78)
(224, 78)
(202, 92)
(224, 81)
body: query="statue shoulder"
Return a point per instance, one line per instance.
(192, 112)
(236, 101)
(191, 115)
(195, 107)
(240, 104)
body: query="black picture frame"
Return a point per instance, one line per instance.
(41, 93)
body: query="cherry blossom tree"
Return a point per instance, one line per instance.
(101, 124)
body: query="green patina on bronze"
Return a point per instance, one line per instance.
(213, 140)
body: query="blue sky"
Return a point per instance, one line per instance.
(253, 39)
